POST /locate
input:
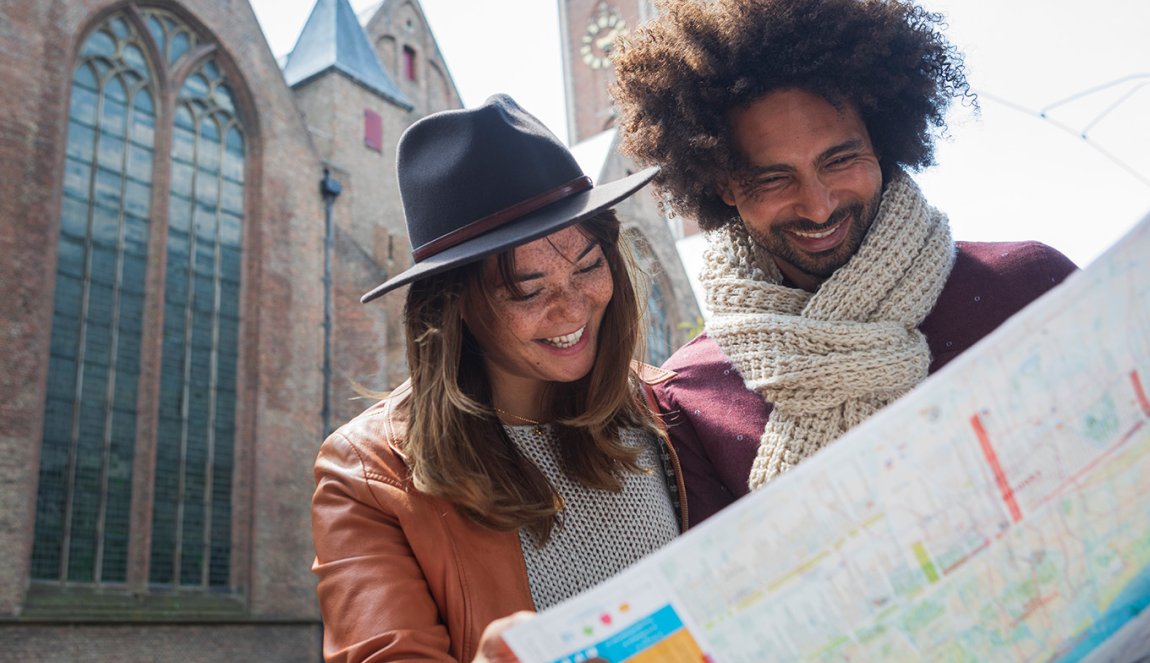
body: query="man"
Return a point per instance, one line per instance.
(786, 127)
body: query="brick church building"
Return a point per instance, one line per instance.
(185, 229)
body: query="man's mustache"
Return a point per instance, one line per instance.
(806, 225)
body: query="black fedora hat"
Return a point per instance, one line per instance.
(479, 181)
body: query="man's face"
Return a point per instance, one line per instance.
(810, 185)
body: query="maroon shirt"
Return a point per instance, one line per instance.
(715, 422)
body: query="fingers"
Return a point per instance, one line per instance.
(492, 647)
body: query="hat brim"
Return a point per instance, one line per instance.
(541, 223)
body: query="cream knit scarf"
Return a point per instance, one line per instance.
(828, 360)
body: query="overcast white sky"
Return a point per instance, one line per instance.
(1007, 174)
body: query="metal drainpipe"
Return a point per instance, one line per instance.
(329, 188)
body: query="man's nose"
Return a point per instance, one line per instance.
(816, 201)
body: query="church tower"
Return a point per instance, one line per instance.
(588, 29)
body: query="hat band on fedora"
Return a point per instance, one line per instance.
(503, 216)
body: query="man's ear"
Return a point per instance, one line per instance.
(723, 190)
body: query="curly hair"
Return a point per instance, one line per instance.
(678, 77)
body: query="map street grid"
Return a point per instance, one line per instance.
(999, 512)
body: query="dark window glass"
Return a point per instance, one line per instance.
(659, 332)
(409, 63)
(173, 38)
(192, 512)
(180, 45)
(100, 43)
(84, 497)
(234, 155)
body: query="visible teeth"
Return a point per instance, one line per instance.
(566, 341)
(819, 234)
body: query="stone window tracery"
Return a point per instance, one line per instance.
(97, 404)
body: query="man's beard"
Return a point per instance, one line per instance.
(777, 240)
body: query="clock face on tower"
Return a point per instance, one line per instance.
(600, 35)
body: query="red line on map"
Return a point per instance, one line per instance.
(1032, 605)
(1086, 469)
(996, 467)
(1145, 402)
(964, 558)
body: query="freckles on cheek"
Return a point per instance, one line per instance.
(521, 331)
(606, 291)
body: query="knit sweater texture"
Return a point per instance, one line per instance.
(830, 359)
(717, 419)
(600, 532)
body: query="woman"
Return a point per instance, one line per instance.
(520, 464)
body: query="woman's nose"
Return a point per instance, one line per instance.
(569, 304)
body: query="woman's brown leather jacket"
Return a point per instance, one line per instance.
(403, 575)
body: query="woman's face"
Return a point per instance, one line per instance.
(549, 333)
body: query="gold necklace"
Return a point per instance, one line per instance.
(537, 424)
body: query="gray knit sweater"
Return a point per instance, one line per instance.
(600, 532)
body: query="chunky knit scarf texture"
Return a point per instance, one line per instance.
(828, 360)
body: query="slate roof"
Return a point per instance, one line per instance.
(334, 39)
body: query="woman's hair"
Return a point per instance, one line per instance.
(456, 446)
(679, 76)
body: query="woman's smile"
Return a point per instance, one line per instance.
(567, 340)
(542, 322)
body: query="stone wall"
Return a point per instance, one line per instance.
(278, 426)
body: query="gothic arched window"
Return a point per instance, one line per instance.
(82, 508)
(120, 442)
(659, 332)
(191, 516)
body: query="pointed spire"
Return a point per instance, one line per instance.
(334, 39)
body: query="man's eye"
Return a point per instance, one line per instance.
(759, 188)
(769, 183)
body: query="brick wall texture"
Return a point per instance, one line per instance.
(290, 137)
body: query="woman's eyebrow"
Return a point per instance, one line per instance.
(591, 244)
